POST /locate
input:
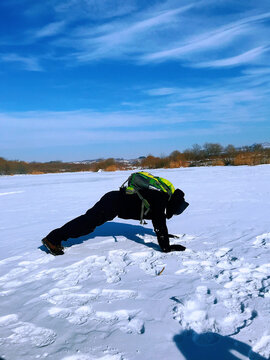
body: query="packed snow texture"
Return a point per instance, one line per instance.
(114, 295)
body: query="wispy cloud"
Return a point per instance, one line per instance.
(93, 9)
(120, 38)
(78, 9)
(92, 31)
(86, 120)
(161, 91)
(247, 57)
(63, 128)
(51, 29)
(257, 71)
(165, 34)
(217, 38)
(28, 63)
(242, 99)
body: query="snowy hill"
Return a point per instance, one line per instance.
(105, 300)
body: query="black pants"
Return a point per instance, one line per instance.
(105, 209)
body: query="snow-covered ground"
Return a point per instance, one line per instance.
(105, 300)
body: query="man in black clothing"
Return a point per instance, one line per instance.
(125, 206)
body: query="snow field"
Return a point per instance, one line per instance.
(105, 300)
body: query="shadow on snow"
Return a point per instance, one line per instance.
(212, 346)
(114, 229)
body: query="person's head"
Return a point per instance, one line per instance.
(176, 204)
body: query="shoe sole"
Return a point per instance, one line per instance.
(51, 251)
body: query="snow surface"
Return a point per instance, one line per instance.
(105, 300)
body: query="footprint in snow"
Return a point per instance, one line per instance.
(148, 261)
(78, 308)
(262, 241)
(24, 332)
(124, 320)
(200, 311)
(239, 280)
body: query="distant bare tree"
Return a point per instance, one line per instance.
(212, 149)
(256, 147)
(229, 154)
(195, 153)
(176, 155)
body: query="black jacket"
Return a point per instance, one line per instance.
(130, 208)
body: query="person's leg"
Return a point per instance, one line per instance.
(105, 209)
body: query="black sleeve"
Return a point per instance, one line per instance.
(159, 224)
(158, 208)
(161, 230)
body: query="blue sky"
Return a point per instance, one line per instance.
(81, 79)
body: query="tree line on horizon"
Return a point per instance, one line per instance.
(210, 154)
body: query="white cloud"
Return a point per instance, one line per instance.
(165, 32)
(29, 63)
(51, 29)
(216, 38)
(258, 71)
(38, 129)
(93, 9)
(241, 100)
(204, 42)
(84, 119)
(154, 33)
(161, 91)
(119, 38)
(245, 58)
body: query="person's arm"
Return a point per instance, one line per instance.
(158, 208)
(163, 236)
(160, 228)
(158, 204)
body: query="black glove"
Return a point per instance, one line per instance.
(164, 243)
(174, 247)
(177, 247)
(173, 236)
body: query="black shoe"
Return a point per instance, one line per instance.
(53, 249)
